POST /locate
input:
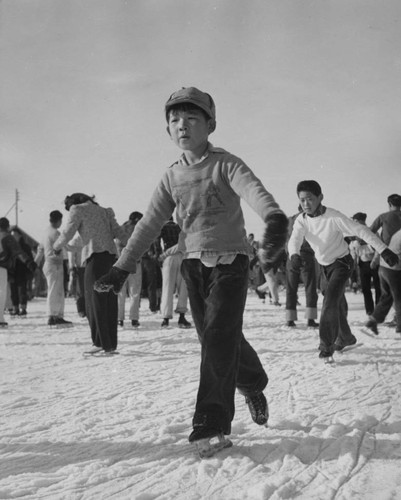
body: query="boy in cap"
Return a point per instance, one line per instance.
(325, 229)
(205, 187)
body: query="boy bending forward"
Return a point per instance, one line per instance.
(205, 187)
(325, 228)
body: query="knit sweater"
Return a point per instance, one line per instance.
(9, 250)
(325, 234)
(206, 196)
(96, 226)
(389, 223)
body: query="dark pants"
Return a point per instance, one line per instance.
(390, 281)
(217, 296)
(367, 275)
(19, 293)
(101, 308)
(80, 290)
(150, 270)
(308, 274)
(333, 324)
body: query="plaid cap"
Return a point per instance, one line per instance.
(192, 95)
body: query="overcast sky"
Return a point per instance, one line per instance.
(304, 89)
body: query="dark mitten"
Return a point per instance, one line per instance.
(113, 280)
(274, 238)
(32, 266)
(296, 261)
(389, 257)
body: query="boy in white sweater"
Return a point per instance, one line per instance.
(325, 229)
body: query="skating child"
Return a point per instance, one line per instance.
(205, 187)
(325, 228)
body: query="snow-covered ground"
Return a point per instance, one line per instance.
(117, 428)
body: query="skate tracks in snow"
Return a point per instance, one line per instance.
(117, 428)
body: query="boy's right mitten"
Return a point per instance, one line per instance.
(390, 258)
(274, 238)
(113, 280)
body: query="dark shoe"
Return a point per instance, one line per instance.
(120, 322)
(183, 322)
(340, 347)
(258, 407)
(14, 311)
(165, 323)
(312, 324)
(62, 322)
(3, 324)
(202, 432)
(325, 354)
(372, 325)
(135, 323)
(52, 321)
(22, 312)
(291, 324)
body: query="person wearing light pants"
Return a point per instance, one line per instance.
(132, 288)
(173, 282)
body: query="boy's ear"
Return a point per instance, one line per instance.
(168, 130)
(321, 197)
(211, 125)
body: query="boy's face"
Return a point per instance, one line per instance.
(189, 130)
(309, 202)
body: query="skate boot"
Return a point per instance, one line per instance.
(258, 407)
(183, 322)
(208, 441)
(372, 325)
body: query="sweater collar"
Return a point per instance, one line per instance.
(319, 211)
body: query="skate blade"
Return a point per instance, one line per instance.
(208, 447)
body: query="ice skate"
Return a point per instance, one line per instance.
(208, 447)
(258, 407)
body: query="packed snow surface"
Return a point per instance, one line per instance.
(75, 427)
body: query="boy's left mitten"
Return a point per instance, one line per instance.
(113, 280)
(274, 238)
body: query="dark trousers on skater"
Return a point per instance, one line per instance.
(390, 281)
(333, 325)
(308, 273)
(101, 308)
(367, 275)
(217, 296)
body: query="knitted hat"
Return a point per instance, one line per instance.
(192, 95)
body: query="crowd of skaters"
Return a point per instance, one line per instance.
(158, 275)
(206, 259)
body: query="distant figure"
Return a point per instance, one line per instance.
(53, 269)
(133, 285)
(325, 229)
(363, 254)
(76, 283)
(389, 222)
(10, 251)
(97, 228)
(305, 269)
(172, 280)
(151, 275)
(20, 276)
(390, 281)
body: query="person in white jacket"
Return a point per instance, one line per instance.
(325, 229)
